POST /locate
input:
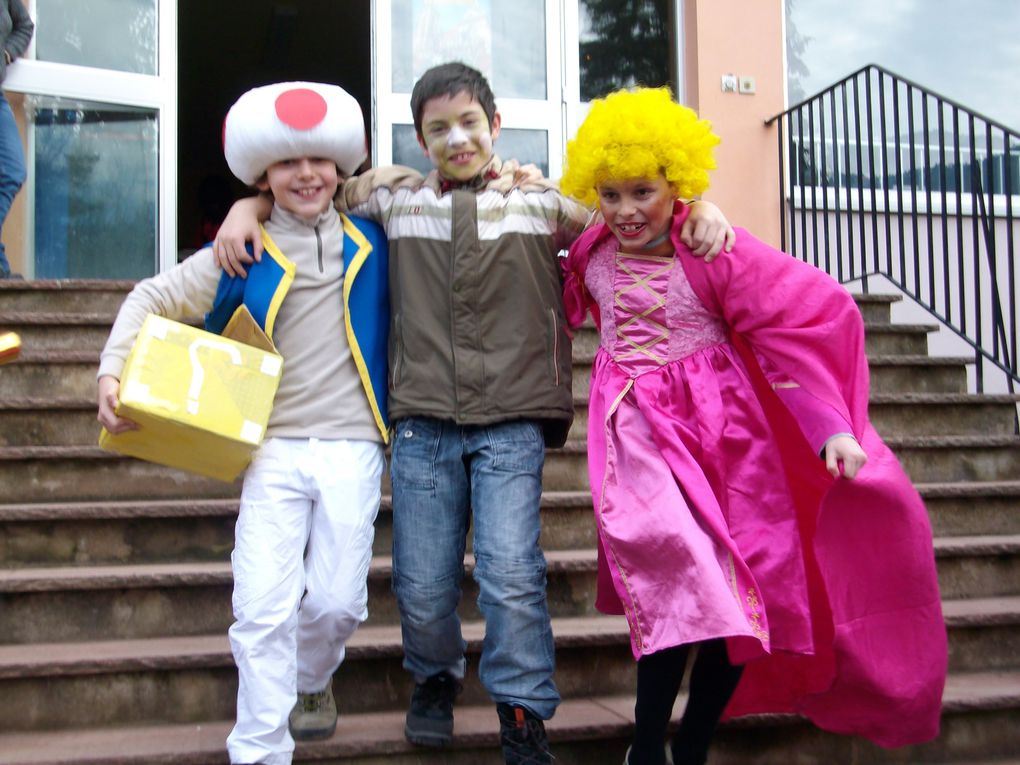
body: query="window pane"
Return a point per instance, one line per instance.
(523, 145)
(503, 40)
(108, 34)
(96, 186)
(623, 43)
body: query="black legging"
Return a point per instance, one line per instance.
(713, 680)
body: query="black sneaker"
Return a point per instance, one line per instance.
(430, 718)
(522, 736)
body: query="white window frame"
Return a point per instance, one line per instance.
(157, 92)
(393, 107)
(559, 114)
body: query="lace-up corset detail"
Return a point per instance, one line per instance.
(650, 314)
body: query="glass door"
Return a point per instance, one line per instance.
(515, 45)
(99, 120)
(545, 60)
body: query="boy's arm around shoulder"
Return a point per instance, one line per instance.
(359, 195)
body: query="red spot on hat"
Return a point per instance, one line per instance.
(300, 108)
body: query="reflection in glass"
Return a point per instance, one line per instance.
(107, 34)
(624, 43)
(505, 41)
(96, 189)
(523, 145)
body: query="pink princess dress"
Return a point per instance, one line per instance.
(714, 388)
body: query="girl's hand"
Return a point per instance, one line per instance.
(844, 452)
(109, 388)
(241, 225)
(706, 231)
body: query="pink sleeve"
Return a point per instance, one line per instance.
(817, 420)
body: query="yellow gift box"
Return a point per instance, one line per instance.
(10, 346)
(201, 400)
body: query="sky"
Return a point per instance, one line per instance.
(966, 51)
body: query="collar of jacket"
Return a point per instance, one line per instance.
(498, 175)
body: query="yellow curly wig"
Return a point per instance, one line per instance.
(638, 134)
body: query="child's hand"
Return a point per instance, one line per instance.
(241, 225)
(844, 452)
(706, 231)
(109, 387)
(528, 173)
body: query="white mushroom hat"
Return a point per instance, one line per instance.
(288, 120)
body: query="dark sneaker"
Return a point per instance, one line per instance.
(522, 736)
(430, 717)
(313, 716)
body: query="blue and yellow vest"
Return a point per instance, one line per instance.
(365, 298)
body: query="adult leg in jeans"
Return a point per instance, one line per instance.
(12, 170)
(506, 490)
(430, 521)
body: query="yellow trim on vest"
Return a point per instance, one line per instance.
(356, 262)
(289, 269)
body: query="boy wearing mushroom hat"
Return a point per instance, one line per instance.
(304, 531)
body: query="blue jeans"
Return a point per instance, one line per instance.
(444, 477)
(12, 170)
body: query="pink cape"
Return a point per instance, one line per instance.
(880, 658)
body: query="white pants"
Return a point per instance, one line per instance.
(302, 547)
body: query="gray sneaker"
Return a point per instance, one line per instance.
(313, 716)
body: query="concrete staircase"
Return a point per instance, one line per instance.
(115, 579)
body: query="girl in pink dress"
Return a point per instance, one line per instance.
(743, 501)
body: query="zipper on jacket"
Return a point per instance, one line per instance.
(318, 246)
(556, 345)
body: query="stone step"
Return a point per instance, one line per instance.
(978, 566)
(905, 373)
(984, 633)
(111, 532)
(70, 295)
(51, 374)
(82, 473)
(54, 331)
(68, 473)
(186, 679)
(943, 414)
(65, 604)
(941, 459)
(876, 308)
(163, 531)
(973, 508)
(978, 726)
(45, 605)
(49, 421)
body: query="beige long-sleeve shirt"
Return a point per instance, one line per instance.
(320, 393)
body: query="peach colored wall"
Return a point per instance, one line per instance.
(745, 38)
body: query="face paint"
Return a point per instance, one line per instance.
(456, 135)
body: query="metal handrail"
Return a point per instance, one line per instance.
(882, 176)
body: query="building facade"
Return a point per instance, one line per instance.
(121, 101)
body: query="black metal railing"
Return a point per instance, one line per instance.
(881, 176)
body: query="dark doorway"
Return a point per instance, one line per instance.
(225, 48)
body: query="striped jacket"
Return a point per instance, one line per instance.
(477, 334)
